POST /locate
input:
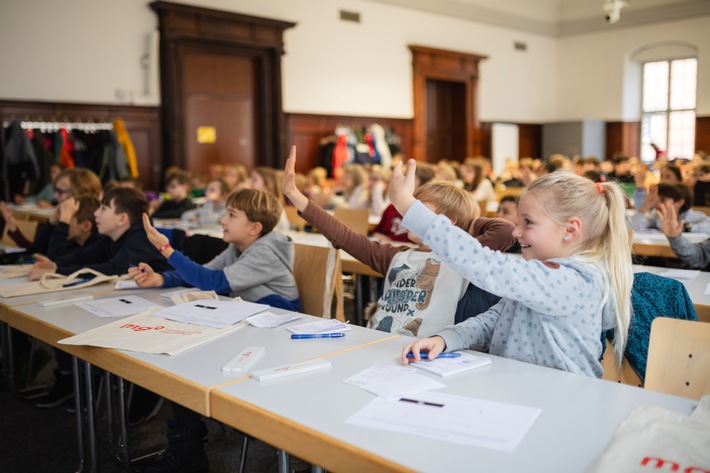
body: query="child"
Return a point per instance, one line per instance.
(123, 242)
(269, 179)
(390, 227)
(573, 282)
(212, 211)
(76, 227)
(677, 194)
(178, 188)
(257, 266)
(72, 182)
(508, 210)
(695, 255)
(421, 295)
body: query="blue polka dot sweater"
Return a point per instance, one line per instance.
(551, 313)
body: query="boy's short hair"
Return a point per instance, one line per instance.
(676, 191)
(259, 206)
(509, 198)
(454, 202)
(88, 204)
(128, 201)
(182, 177)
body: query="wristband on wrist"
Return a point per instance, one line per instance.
(164, 247)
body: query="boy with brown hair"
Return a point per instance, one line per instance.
(256, 266)
(76, 227)
(122, 243)
(177, 185)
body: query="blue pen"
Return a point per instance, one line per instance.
(299, 336)
(424, 355)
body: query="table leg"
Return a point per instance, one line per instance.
(77, 412)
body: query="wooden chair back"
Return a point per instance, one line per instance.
(355, 219)
(705, 210)
(679, 358)
(502, 190)
(297, 222)
(28, 228)
(623, 374)
(318, 274)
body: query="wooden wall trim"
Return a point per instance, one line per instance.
(702, 134)
(142, 123)
(305, 130)
(429, 63)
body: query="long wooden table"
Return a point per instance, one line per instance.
(655, 244)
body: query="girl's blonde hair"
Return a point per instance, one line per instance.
(454, 202)
(272, 180)
(605, 239)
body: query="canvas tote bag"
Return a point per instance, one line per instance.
(52, 282)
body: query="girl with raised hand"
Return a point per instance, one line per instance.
(573, 282)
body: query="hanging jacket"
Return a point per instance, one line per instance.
(119, 127)
(19, 163)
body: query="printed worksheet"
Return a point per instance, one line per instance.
(217, 314)
(116, 306)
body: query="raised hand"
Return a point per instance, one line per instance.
(154, 236)
(401, 187)
(671, 227)
(288, 186)
(67, 209)
(144, 276)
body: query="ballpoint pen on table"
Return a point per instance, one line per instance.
(297, 336)
(425, 356)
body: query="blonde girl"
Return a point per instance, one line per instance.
(573, 282)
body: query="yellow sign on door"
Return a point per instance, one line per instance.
(206, 134)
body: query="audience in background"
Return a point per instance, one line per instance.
(177, 185)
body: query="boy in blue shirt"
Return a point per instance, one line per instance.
(257, 266)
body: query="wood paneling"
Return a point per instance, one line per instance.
(306, 130)
(237, 50)
(702, 134)
(429, 64)
(529, 140)
(142, 123)
(622, 138)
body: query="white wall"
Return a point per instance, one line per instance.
(87, 50)
(592, 69)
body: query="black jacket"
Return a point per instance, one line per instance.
(114, 257)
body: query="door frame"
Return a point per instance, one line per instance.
(439, 64)
(195, 27)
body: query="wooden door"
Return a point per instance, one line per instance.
(220, 91)
(445, 120)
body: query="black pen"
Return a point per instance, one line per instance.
(421, 403)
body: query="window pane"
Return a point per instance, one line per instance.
(681, 131)
(655, 86)
(683, 83)
(653, 130)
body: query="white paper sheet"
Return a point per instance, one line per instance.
(449, 418)
(270, 320)
(217, 314)
(125, 284)
(116, 306)
(324, 326)
(393, 382)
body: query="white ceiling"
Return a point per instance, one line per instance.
(558, 17)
